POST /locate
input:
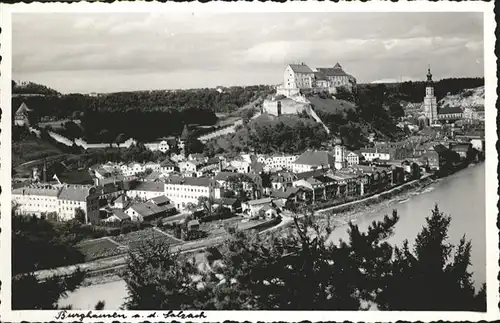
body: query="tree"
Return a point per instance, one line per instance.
(80, 215)
(158, 279)
(36, 245)
(300, 269)
(120, 138)
(185, 133)
(193, 146)
(396, 110)
(436, 272)
(191, 207)
(206, 203)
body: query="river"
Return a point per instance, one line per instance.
(461, 195)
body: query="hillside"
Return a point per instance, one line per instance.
(31, 89)
(468, 98)
(329, 105)
(143, 115)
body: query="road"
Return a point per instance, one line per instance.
(41, 160)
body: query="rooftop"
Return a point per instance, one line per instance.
(149, 186)
(159, 200)
(120, 214)
(301, 68)
(260, 201)
(37, 189)
(446, 110)
(193, 181)
(75, 192)
(315, 158)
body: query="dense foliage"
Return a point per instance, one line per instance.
(300, 269)
(415, 91)
(36, 245)
(266, 134)
(32, 88)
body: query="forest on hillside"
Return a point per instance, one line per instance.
(32, 88)
(415, 91)
(144, 115)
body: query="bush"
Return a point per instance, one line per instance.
(129, 227)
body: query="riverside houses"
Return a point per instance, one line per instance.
(322, 187)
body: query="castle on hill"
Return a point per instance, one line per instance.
(300, 78)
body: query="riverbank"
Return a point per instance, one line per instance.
(340, 215)
(461, 195)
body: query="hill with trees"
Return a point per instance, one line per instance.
(415, 91)
(144, 115)
(269, 134)
(30, 88)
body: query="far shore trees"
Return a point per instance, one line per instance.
(300, 269)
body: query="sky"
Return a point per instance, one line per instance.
(104, 52)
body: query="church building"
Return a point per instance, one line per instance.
(430, 102)
(432, 113)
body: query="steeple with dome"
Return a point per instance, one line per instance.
(340, 154)
(430, 102)
(429, 76)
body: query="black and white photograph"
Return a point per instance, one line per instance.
(192, 161)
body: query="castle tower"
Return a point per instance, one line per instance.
(340, 154)
(430, 103)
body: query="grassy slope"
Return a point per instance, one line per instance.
(330, 105)
(31, 149)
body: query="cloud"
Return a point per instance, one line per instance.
(75, 52)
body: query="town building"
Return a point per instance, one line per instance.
(280, 105)
(145, 190)
(250, 183)
(340, 154)
(184, 190)
(282, 180)
(139, 212)
(321, 186)
(277, 161)
(190, 167)
(21, 116)
(352, 158)
(162, 146)
(370, 154)
(233, 204)
(36, 199)
(300, 78)
(335, 77)
(73, 197)
(115, 216)
(251, 208)
(450, 114)
(312, 160)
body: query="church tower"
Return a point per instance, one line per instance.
(430, 103)
(339, 154)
